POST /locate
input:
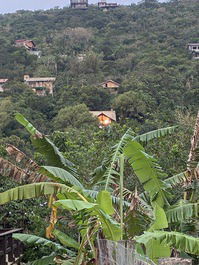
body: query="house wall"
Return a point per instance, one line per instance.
(1, 88)
(104, 120)
(30, 44)
(19, 44)
(194, 47)
(47, 84)
(39, 92)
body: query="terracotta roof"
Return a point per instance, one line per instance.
(24, 41)
(3, 80)
(109, 113)
(40, 79)
(111, 82)
(20, 40)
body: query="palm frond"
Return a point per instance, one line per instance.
(182, 211)
(177, 179)
(116, 200)
(146, 137)
(179, 241)
(34, 190)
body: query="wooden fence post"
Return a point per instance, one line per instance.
(175, 261)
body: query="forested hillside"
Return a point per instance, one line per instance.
(143, 47)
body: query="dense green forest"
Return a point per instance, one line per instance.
(143, 47)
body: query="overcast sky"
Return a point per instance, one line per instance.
(8, 6)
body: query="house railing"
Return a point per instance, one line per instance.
(10, 249)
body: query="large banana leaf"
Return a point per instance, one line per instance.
(146, 137)
(61, 175)
(156, 250)
(105, 202)
(108, 172)
(117, 151)
(46, 260)
(32, 191)
(36, 240)
(29, 127)
(65, 239)
(182, 211)
(176, 180)
(9, 169)
(148, 172)
(75, 205)
(52, 154)
(160, 219)
(115, 200)
(179, 241)
(110, 227)
(45, 147)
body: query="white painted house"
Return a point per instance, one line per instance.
(194, 49)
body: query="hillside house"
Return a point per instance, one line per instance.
(194, 49)
(2, 83)
(105, 6)
(105, 118)
(81, 57)
(79, 4)
(40, 85)
(111, 85)
(28, 44)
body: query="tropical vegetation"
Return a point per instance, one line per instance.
(154, 217)
(72, 182)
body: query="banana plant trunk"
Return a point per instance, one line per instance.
(192, 159)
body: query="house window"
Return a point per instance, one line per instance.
(194, 48)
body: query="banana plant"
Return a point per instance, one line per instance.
(93, 210)
(157, 195)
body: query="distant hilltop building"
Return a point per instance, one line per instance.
(2, 83)
(41, 86)
(105, 118)
(105, 6)
(194, 49)
(79, 4)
